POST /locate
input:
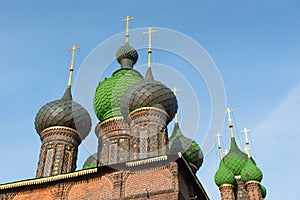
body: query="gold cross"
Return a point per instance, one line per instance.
(73, 48)
(128, 18)
(219, 145)
(228, 111)
(149, 32)
(245, 130)
(247, 141)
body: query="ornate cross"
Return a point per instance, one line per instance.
(149, 32)
(228, 111)
(73, 48)
(219, 145)
(245, 130)
(128, 18)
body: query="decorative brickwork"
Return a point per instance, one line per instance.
(58, 152)
(227, 192)
(149, 132)
(254, 192)
(113, 141)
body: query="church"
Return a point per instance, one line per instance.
(136, 157)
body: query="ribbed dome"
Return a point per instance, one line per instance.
(263, 191)
(91, 162)
(127, 52)
(149, 94)
(235, 160)
(109, 92)
(64, 112)
(224, 175)
(251, 172)
(190, 149)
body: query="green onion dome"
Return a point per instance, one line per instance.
(224, 175)
(110, 91)
(190, 149)
(235, 160)
(149, 93)
(91, 162)
(64, 112)
(251, 172)
(263, 191)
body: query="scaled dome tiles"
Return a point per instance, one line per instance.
(109, 92)
(149, 94)
(64, 112)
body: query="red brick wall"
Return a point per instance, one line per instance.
(150, 181)
(96, 188)
(155, 183)
(37, 194)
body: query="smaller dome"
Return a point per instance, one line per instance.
(190, 149)
(91, 162)
(149, 94)
(224, 175)
(251, 172)
(263, 191)
(64, 112)
(235, 160)
(127, 52)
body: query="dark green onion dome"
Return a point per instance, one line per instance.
(190, 149)
(224, 175)
(110, 91)
(91, 162)
(127, 56)
(263, 191)
(251, 172)
(235, 160)
(64, 112)
(149, 93)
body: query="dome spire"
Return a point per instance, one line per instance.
(230, 125)
(219, 145)
(245, 130)
(128, 18)
(149, 75)
(73, 48)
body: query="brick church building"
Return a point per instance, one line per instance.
(135, 159)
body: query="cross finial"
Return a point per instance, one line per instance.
(128, 18)
(149, 32)
(175, 90)
(73, 48)
(245, 130)
(228, 111)
(219, 145)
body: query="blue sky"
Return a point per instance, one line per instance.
(255, 45)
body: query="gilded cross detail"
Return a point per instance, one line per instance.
(73, 48)
(128, 18)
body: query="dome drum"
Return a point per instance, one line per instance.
(60, 133)
(148, 114)
(111, 125)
